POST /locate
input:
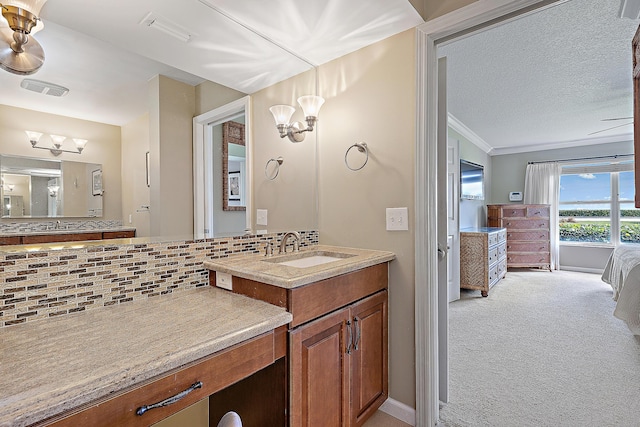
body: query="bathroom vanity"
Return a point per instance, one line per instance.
(113, 366)
(338, 336)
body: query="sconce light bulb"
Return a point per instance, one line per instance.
(33, 137)
(80, 144)
(282, 114)
(58, 140)
(311, 105)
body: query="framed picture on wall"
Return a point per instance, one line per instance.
(234, 186)
(96, 182)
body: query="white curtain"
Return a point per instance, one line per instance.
(542, 186)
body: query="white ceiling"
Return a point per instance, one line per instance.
(105, 56)
(546, 80)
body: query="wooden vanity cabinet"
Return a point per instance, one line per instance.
(338, 345)
(339, 365)
(66, 237)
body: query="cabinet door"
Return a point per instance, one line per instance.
(369, 376)
(320, 372)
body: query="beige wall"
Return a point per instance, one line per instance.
(370, 97)
(291, 198)
(171, 112)
(103, 146)
(135, 193)
(210, 95)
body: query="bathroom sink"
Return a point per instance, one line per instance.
(308, 259)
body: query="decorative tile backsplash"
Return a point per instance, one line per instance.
(49, 283)
(29, 227)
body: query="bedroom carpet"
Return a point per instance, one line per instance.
(543, 349)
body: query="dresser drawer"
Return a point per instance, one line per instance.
(538, 211)
(540, 258)
(515, 212)
(529, 224)
(541, 246)
(493, 255)
(527, 235)
(492, 239)
(502, 250)
(502, 236)
(493, 274)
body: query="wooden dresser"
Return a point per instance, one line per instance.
(528, 235)
(483, 256)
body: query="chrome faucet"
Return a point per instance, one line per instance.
(57, 224)
(296, 241)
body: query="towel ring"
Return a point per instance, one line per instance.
(278, 162)
(362, 147)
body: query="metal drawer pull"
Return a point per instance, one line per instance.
(173, 399)
(350, 335)
(356, 322)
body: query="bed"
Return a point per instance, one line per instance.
(622, 272)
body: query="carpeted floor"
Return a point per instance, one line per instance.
(542, 350)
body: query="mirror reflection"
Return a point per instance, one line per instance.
(45, 188)
(234, 166)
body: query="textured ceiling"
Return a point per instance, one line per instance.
(545, 80)
(105, 56)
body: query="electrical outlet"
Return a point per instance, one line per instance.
(261, 216)
(397, 219)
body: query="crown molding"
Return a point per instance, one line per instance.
(463, 130)
(498, 151)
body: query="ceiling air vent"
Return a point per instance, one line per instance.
(45, 88)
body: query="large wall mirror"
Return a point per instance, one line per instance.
(46, 188)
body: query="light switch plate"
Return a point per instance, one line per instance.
(261, 216)
(397, 219)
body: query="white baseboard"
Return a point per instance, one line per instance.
(399, 410)
(582, 269)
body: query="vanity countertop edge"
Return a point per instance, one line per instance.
(266, 269)
(55, 365)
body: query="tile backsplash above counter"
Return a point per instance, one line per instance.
(49, 283)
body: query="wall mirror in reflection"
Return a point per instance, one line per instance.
(43, 188)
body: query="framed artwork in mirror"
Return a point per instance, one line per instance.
(96, 181)
(233, 166)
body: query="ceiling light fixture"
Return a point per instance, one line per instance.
(20, 53)
(56, 150)
(166, 26)
(295, 131)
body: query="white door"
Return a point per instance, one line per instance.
(442, 221)
(453, 221)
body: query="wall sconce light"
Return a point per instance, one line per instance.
(295, 131)
(56, 150)
(20, 53)
(53, 190)
(9, 188)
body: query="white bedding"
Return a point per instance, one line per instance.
(622, 272)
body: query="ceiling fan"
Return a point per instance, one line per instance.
(613, 127)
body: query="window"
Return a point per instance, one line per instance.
(596, 204)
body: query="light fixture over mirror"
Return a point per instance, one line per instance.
(56, 150)
(295, 131)
(20, 53)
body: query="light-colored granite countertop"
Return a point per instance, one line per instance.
(53, 365)
(267, 270)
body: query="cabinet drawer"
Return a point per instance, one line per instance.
(527, 235)
(493, 274)
(54, 238)
(493, 255)
(540, 246)
(529, 224)
(12, 240)
(537, 211)
(502, 267)
(129, 234)
(492, 239)
(502, 236)
(502, 250)
(539, 258)
(215, 372)
(515, 212)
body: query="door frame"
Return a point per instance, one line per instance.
(479, 13)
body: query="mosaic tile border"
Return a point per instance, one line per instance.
(46, 284)
(30, 227)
